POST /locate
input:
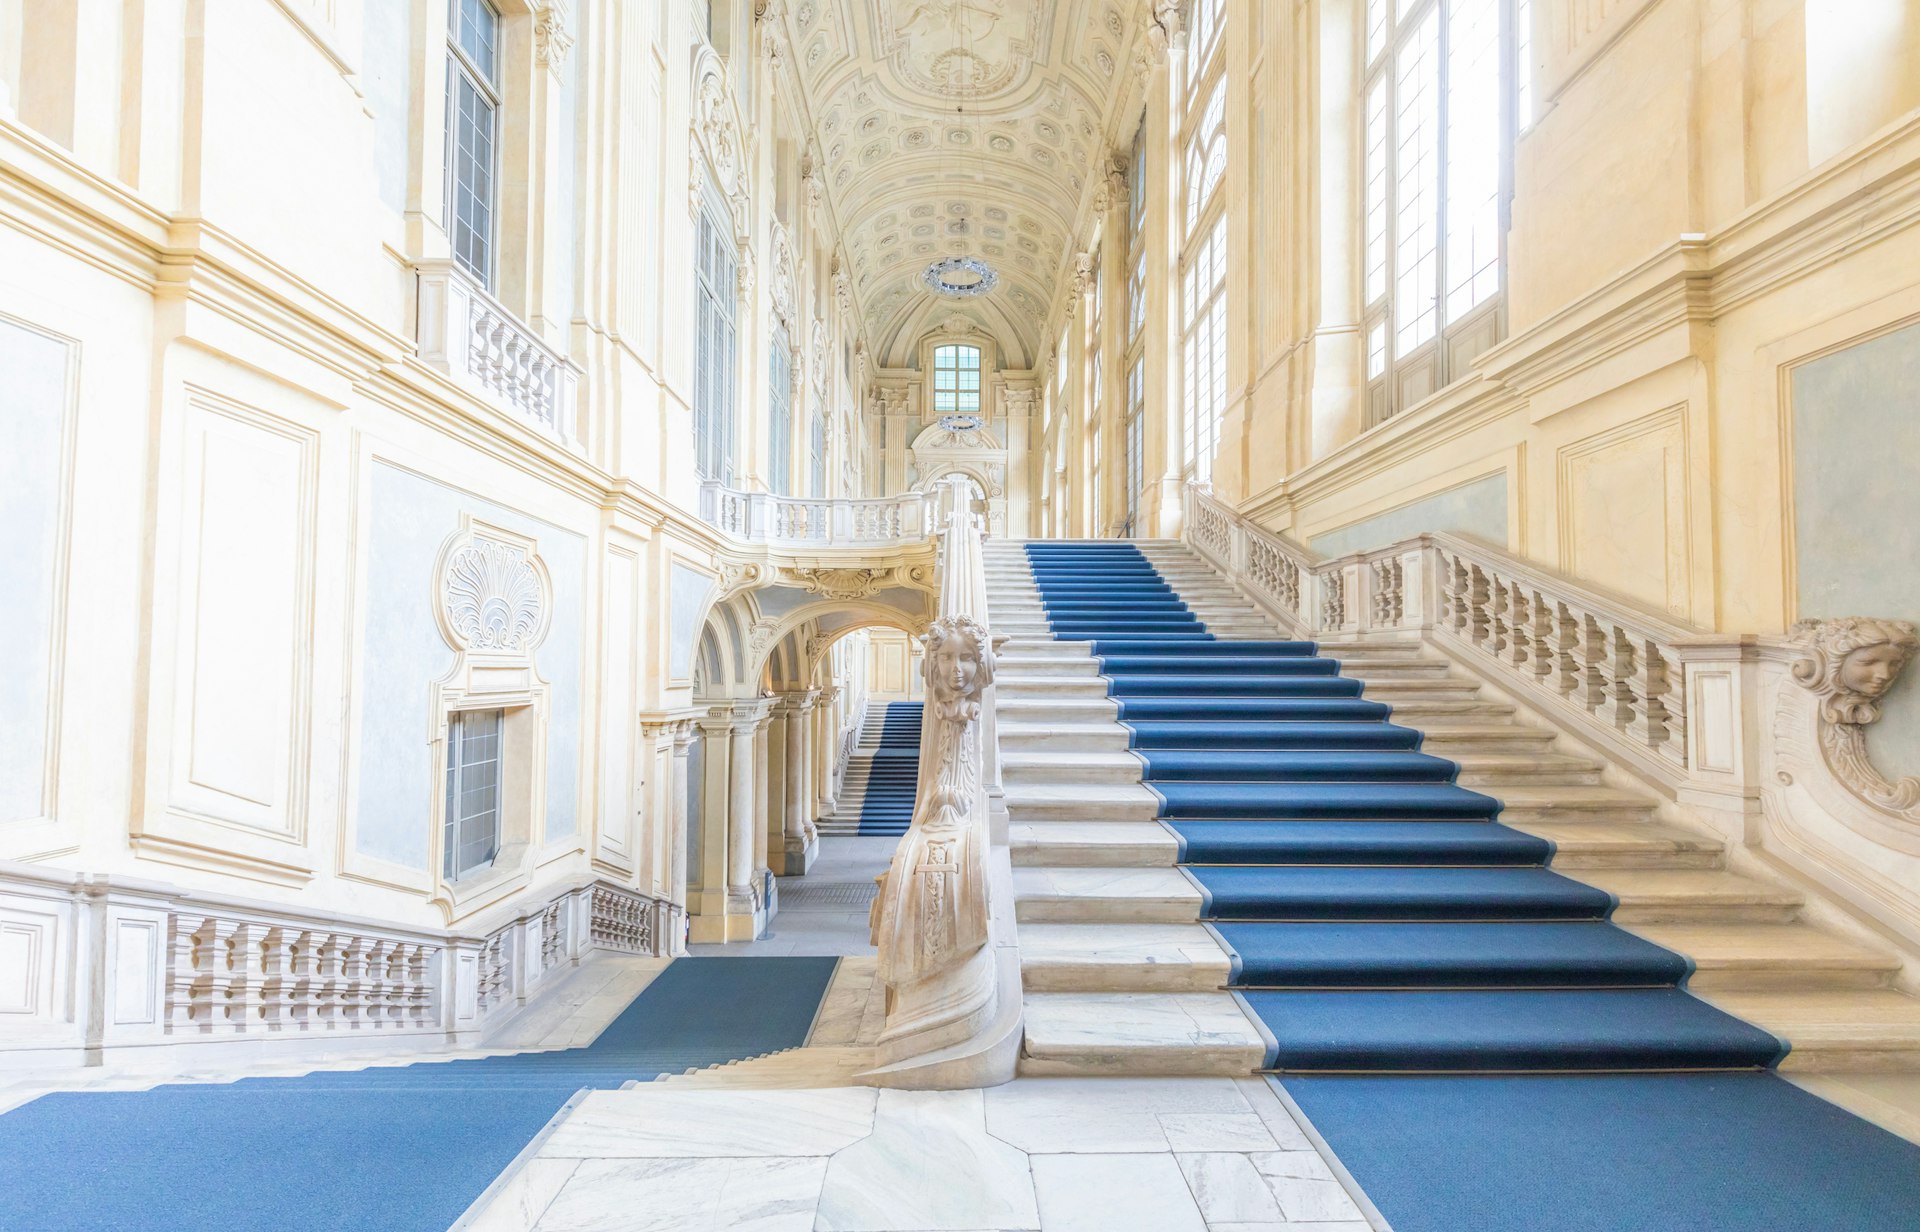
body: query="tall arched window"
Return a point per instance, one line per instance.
(1133, 414)
(956, 380)
(473, 134)
(713, 380)
(780, 413)
(1440, 106)
(1203, 255)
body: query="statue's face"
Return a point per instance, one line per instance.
(955, 663)
(1871, 670)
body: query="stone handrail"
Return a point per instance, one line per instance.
(1599, 660)
(785, 521)
(131, 964)
(942, 921)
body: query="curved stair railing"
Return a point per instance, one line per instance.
(1766, 738)
(942, 920)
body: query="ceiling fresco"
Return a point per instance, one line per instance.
(949, 128)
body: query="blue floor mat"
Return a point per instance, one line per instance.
(1612, 1153)
(396, 1148)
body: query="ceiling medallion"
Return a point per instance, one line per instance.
(961, 277)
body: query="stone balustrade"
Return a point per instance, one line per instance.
(485, 349)
(1596, 659)
(119, 965)
(783, 521)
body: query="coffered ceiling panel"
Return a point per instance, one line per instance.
(959, 128)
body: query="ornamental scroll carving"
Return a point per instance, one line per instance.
(1849, 665)
(931, 913)
(495, 597)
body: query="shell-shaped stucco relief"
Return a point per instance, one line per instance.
(495, 594)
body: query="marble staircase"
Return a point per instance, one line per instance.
(861, 773)
(1120, 975)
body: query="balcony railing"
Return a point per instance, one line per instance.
(784, 521)
(485, 349)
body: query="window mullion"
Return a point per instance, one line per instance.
(1443, 149)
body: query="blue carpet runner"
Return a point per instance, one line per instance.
(1380, 920)
(399, 1148)
(893, 775)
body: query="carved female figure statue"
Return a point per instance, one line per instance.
(931, 914)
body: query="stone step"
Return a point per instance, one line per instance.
(1079, 895)
(1071, 802)
(1447, 741)
(1138, 1034)
(1093, 844)
(1122, 958)
(1070, 766)
(1771, 957)
(1490, 771)
(1585, 845)
(1525, 806)
(1054, 686)
(1051, 710)
(1683, 896)
(1104, 737)
(1432, 713)
(1165, 896)
(1869, 1030)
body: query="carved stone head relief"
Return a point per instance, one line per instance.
(1852, 662)
(958, 667)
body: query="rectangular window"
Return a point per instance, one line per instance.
(713, 388)
(956, 380)
(1136, 442)
(473, 107)
(1204, 354)
(1473, 155)
(779, 414)
(1417, 187)
(473, 791)
(1445, 85)
(818, 443)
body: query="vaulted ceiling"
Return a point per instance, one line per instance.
(959, 128)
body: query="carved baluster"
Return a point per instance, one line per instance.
(353, 981)
(275, 979)
(1568, 669)
(1623, 688)
(183, 975)
(1653, 679)
(1519, 648)
(1673, 705)
(301, 980)
(1543, 647)
(1594, 683)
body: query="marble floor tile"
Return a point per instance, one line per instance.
(660, 1121)
(1106, 1114)
(687, 1195)
(1114, 1193)
(928, 1165)
(1200, 1131)
(1229, 1188)
(522, 1200)
(1279, 1120)
(1305, 1187)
